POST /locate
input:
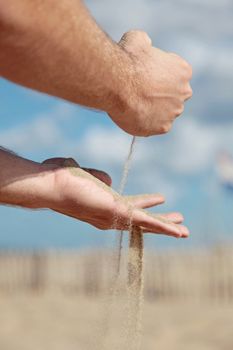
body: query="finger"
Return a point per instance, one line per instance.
(145, 200)
(185, 234)
(189, 92)
(101, 175)
(61, 161)
(157, 224)
(176, 218)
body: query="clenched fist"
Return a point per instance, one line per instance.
(156, 88)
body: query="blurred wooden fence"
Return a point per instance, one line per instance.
(197, 275)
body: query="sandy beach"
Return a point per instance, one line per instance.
(56, 322)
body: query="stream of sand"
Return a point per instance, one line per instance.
(131, 332)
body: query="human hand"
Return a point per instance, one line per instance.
(156, 88)
(86, 196)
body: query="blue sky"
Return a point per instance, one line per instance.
(181, 165)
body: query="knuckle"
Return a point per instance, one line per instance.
(135, 36)
(132, 35)
(179, 111)
(141, 128)
(188, 92)
(146, 37)
(189, 70)
(142, 132)
(184, 63)
(102, 226)
(186, 66)
(165, 128)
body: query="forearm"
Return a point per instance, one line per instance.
(23, 182)
(57, 48)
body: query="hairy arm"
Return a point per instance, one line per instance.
(24, 182)
(56, 47)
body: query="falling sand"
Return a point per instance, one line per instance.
(135, 269)
(123, 182)
(131, 332)
(135, 289)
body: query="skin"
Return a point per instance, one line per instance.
(61, 185)
(142, 88)
(67, 55)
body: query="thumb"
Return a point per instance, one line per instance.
(135, 40)
(101, 175)
(70, 162)
(62, 162)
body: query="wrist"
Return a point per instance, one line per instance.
(32, 187)
(119, 75)
(122, 87)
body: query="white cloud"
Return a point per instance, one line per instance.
(104, 145)
(41, 133)
(193, 147)
(188, 150)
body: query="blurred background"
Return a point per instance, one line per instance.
(192, 166)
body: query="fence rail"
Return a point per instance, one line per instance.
(197, 275)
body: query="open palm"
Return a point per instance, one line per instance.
(86, 195)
